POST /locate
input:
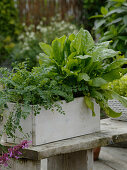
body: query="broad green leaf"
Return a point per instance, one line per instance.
(119, 1)
(58, 47)
(89, 104)
(97, 82)
(122, 29)
(83, 76)
(115, 21)
(114, 74)
(96, 16)
(101, 53)
(107, 37)
(112, 113)
(97, 95)
(103, 44)
(43, 59)
(122, 37)
(72, 55)
(83, 56)
(125, 20)
(104, 11)
(46, 48)
(82, 42)
(99, 23)
(72, 63)
(115, 43)
(89, 65)
(71, 37)
(118, 10)
(116, 64)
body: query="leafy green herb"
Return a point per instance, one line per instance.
(71, 67)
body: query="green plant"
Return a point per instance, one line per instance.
(9, 27)
(90, 7)
(70, 67)
(112, 24)
(119, 86)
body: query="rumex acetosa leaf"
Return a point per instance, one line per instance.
(82, 42)
(83, 76)
(112, 113)
(58, 49)
(101, 53)
(97, 82)
(46, 48)
(114, 74)
(89, 104)
(116, 64)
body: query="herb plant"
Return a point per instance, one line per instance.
(70, 67)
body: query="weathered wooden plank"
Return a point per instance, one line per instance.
(82, 160)
(118, 154)
(112, 132)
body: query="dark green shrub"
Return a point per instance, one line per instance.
(9, 27)
(90, 7)
(113, 24)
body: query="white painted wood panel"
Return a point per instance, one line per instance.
(51, 126)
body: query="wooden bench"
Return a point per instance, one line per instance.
(72, 154)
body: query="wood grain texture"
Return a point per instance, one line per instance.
(82, 160)
(32, 11)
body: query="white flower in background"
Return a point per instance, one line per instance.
(32, 35)
(27, 33)
(31, 27)
(38, 27)
(21, 37)
(25, 44)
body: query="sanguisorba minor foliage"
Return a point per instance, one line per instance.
(70, 67)
(112, 24)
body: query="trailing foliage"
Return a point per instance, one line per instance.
(9, 27)
(112, 24)
(70, 67)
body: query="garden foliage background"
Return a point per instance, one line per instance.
(23, 24)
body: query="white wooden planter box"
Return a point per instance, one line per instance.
(51, 126)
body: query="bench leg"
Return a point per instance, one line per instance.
(81, 160)
(24, 164)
